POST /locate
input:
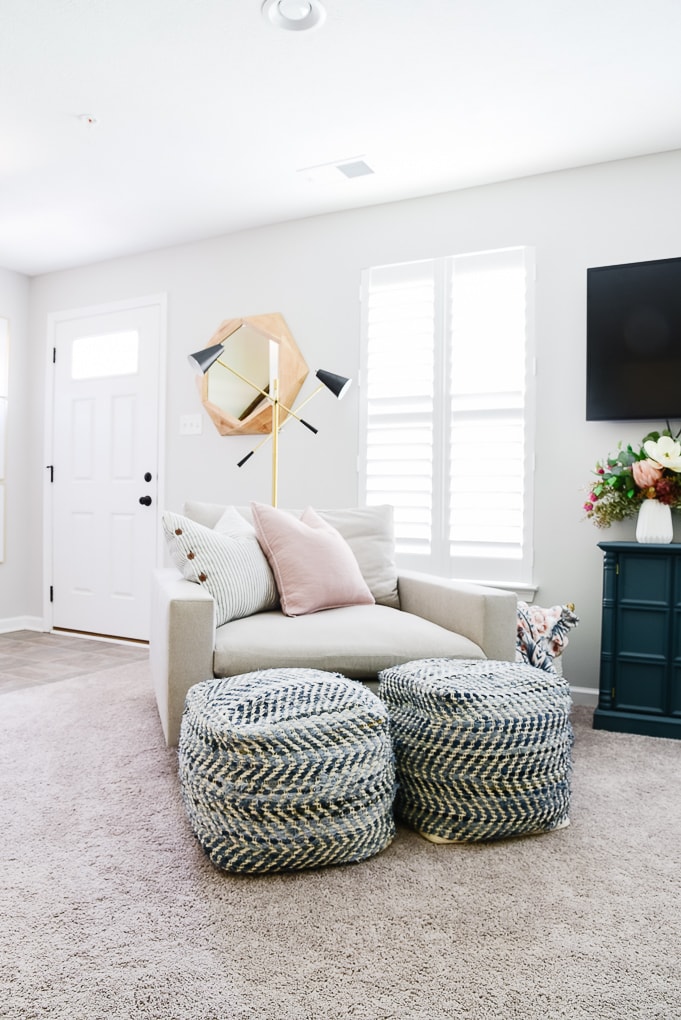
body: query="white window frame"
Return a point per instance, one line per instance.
(513, 568)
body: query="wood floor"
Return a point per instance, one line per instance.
(29, 657)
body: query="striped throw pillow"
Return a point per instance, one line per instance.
(233, 569)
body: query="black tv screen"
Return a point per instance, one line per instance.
(633, 341)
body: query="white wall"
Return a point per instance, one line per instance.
(15, 571)
(310, 270)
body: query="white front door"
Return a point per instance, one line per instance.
(104, 467)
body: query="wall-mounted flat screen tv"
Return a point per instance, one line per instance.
(633, 341)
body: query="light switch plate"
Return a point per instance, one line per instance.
(191, 425)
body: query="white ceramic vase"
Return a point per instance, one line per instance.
(654, 522)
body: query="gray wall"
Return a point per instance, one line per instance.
(16, 577)
(310, 271)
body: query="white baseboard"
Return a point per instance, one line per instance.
(584, 696)
(22, 623)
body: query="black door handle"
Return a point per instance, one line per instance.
(145, 500)
(147, 476)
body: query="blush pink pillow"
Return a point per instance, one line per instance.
(313, 565)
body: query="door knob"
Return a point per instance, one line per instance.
(147, 476)
(145, 500)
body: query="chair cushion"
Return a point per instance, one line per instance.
(384, 637)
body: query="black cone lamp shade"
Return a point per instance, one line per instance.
(201, 361)
(338, 384)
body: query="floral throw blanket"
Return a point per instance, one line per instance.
(542, 633)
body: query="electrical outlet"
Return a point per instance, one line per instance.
(191, 425)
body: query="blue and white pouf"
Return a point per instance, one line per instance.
(482, 748)
(282, 769)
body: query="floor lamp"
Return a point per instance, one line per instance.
(202, 360)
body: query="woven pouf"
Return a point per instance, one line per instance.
(283, 769)
(482, 748)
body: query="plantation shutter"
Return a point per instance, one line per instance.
(446, 411)
(398, 375)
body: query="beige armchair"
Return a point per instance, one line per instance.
(415, 616)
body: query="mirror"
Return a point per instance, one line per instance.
(257, 349)
(248, 352)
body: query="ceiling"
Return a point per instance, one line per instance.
(208, 117)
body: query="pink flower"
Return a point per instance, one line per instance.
(645, 473)
(588, 507)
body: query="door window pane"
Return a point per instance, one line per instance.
(96, 357)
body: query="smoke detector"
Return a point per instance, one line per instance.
(294, 15)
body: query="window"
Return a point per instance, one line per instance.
(100, 357)
(447, 410)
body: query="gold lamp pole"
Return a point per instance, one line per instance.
(275, 440)
(337, 384)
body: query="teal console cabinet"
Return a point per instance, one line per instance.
(640, 681)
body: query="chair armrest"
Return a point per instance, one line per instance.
(182, 637)
(487, 616)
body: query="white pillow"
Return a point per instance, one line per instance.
(369, 531)
(235, 525)
(232, 569)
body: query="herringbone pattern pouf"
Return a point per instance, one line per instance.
(482, 748)
(283, 769)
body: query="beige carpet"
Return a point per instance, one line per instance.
(109, 908)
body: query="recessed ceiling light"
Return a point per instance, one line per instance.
(294, 15)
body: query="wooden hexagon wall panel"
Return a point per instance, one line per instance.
(236, 400)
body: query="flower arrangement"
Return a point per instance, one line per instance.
(624, 481)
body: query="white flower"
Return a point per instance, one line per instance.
(665, 451)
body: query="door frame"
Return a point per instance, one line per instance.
(160, 301)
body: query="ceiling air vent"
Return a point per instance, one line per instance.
(356, 169)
